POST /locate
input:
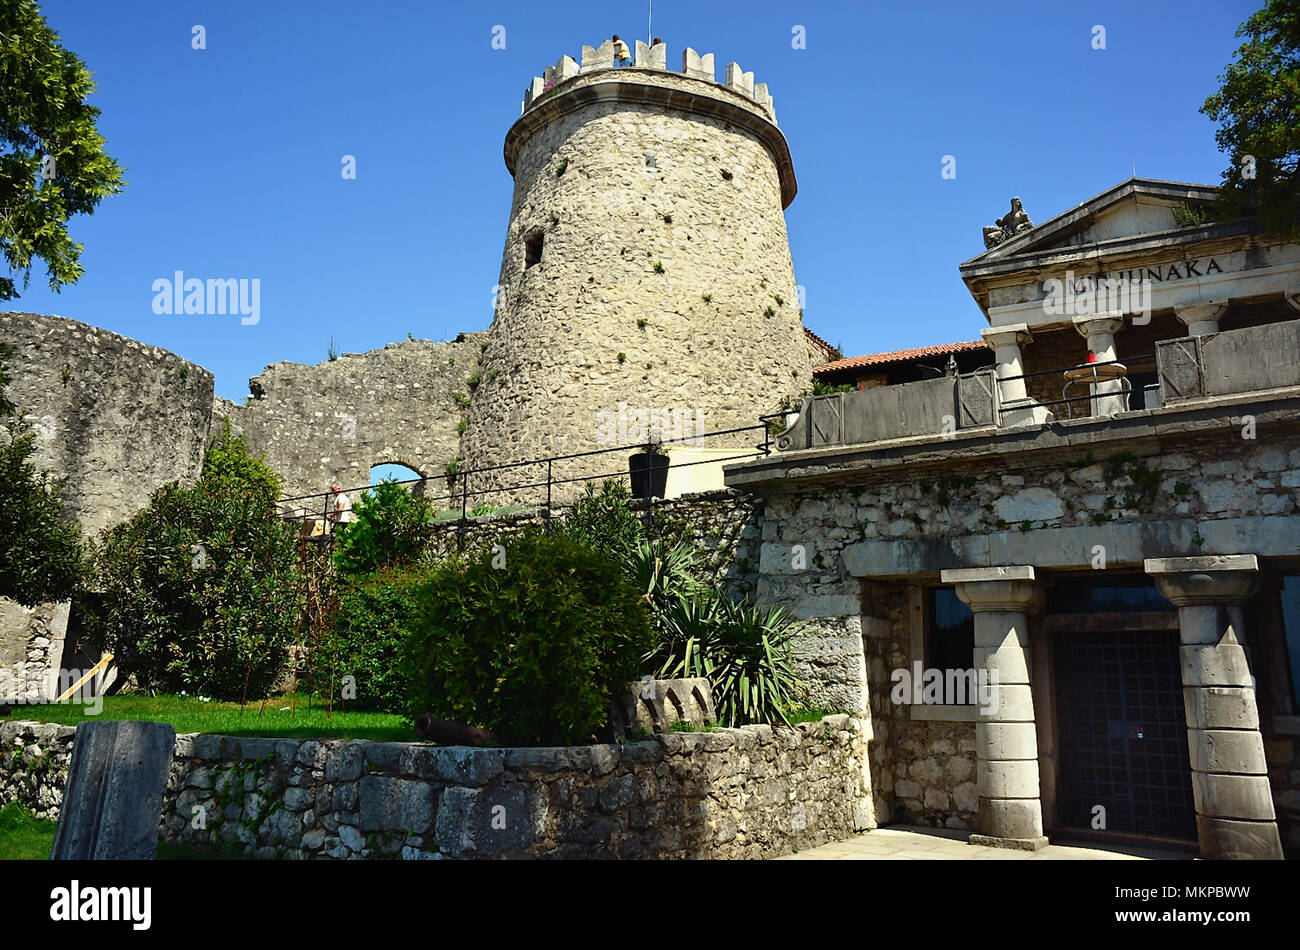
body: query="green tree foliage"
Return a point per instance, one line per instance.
(374, 619)
(532, 648)
(199, 591)
(742, 648)
(228, 463)
(41, 554)
(602, 520)
(393, 526)
(52, 159)
(1258, 110)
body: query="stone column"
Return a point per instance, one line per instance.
(1017, 407)
(1201, 316)
(1006, 743)
(1234, 803)
(1100, 329)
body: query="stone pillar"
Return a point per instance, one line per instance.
(1234, 802)
(1201, 316)
(1100, 329)
(1006, 743)
(1017, 407)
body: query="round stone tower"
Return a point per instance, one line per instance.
(646, 276)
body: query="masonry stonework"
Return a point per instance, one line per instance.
(114, 417)
(335, 420)
(751, 792)
(653, 204)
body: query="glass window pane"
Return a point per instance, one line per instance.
(950, 639)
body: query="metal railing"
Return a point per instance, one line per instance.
(305, 507)
(1128, 362)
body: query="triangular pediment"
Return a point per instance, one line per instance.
(1137, 208)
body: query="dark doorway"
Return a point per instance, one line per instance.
(1122, 732)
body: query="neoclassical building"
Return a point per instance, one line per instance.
(1104, 522)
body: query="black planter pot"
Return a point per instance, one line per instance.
(649, 474)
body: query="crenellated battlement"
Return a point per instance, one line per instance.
(694, 66)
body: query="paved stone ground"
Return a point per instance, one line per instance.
(910, 843)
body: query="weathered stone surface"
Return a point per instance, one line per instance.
(115, 791)
(390, 804)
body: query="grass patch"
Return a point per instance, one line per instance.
(22, 836)
(681, 725)
(277, 719)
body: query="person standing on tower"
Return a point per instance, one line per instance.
(622, 56)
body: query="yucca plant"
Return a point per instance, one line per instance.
(662, 574)
(742, 648)
(749, 663)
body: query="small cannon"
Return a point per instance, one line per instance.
(443, 732)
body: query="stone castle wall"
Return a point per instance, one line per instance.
(114, 417)
(751, 792)
(665, 280)
(336, 419)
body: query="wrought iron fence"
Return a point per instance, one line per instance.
(315, 507)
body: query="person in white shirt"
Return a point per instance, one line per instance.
(341, 512)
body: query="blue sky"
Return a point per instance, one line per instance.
(234, 153)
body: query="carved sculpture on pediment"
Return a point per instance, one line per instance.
(1007, 226)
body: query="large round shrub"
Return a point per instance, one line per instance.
(530, 641)
(199, 591)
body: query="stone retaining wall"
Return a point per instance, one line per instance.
(728, 793)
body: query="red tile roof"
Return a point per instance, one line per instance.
(901, 356)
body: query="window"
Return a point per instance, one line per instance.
(532, 249)
(1131, 593)
(950, 631)
(1291, 625)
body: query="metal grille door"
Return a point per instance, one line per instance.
(1123, 733)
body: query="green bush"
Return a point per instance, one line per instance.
(199, 591)
(602, 521)
(373, 622)
(533, 648)
(392, 527)
(228, 464)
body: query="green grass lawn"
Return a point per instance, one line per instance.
(22, 837)
(280, 717)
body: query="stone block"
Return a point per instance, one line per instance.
(394, 804)
(1011, 818)
(1221, 707)
(1218, 665)
(1227, 750)
(456, 765)
(1233, 796)
(650, 57)
(1014, 778)
(1009, 660)
(697, 66)
(1014, 703)
(599, 57)
(343, 761)
(1223, 839)
(385, 756)
(739, 80)
(456, 819)
(112, 802)
(996, 741)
